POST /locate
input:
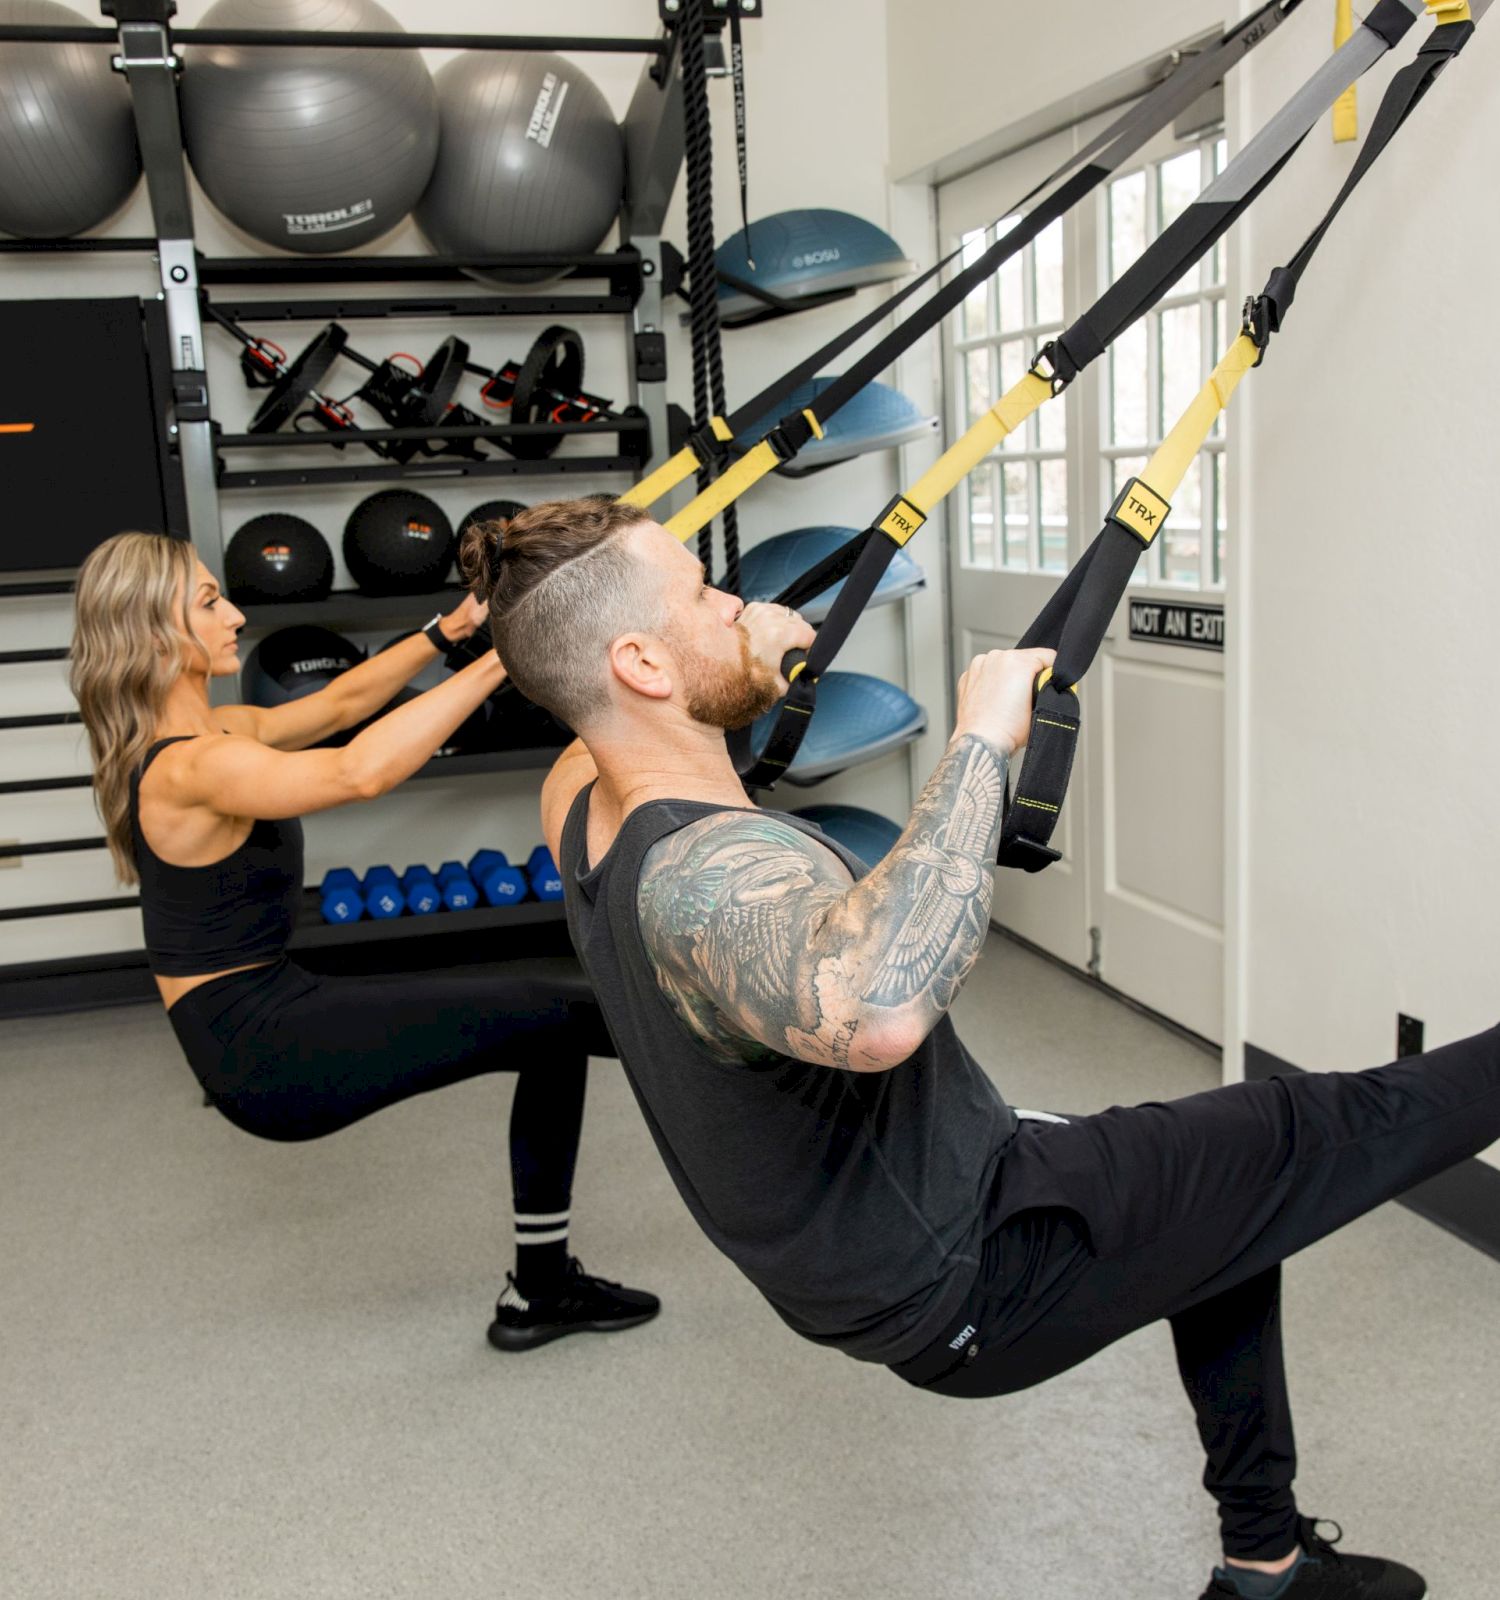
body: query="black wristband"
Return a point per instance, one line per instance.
(435, 635)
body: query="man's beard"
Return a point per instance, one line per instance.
(729, 697)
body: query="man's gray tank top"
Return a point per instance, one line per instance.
(854, 1201)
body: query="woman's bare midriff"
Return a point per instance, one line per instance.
(173, 989)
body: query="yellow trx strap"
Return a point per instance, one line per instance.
(703, 508)
(1142, 505)
(960, 458)
(672, 471)
(1004, 417)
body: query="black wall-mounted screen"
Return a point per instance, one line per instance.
(79, 454)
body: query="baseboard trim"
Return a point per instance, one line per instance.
(1464, 1200)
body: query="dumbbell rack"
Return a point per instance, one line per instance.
(634, 279)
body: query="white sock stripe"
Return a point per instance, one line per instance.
(532, 1218)
(553, 1236)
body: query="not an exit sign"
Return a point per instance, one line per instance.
(1161, 622)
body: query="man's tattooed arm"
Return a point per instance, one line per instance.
(761, 941)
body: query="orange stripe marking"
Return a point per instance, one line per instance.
(17, 427)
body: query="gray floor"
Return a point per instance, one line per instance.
(234, 1369)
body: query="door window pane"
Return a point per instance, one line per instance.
(1010, 283)
(1221, 344)
(1181, 356)
(979, 516)
(1221, 519)
(1052, 425)
(1127, 221)
(1127, 385)
(1048, 251)
(1054, 516)
(976, 314)
(978, 395)
(1181, 539)
(1017, 530)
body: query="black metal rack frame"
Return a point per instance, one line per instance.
(633, 277)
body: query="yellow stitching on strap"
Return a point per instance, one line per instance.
(961, 457)
(666, 478)
(705, 507)
(1052, 722)
(1036, 805)
(813, 423)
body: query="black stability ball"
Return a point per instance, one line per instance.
(489, 511)
(296, 661)
(398, 542)
(278, 557)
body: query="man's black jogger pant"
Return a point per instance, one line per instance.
(1185, 1211)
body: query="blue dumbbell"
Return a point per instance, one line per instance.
(383, 896)
(499, 882)
(458, 890)
(423, 896)
(341, 896)
(541, 869)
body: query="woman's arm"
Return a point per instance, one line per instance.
(238, 776)
(353, 695)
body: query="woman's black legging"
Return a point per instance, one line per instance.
(288, 1054)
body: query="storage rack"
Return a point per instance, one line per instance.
(635, 279)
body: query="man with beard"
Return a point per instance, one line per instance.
(782, 1014)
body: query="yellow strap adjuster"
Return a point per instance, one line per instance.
(813, 423)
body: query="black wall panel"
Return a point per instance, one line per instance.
(78, 438)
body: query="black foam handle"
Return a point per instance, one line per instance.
(791, 661)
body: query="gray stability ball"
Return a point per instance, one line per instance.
(68, 156)
(531, 160)
(315, 150)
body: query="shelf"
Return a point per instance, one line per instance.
(622, 272)
(526, 759)
(443, 467)
(354, 610)
(312, 932)
(344, 308)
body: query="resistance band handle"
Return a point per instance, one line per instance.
(763, 769)
(792, 664)
(1032, 810)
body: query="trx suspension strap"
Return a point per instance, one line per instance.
(864, 559)
(710, 446)
(1075, 620)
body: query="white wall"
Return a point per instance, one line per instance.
(965, 71)
(1362, 666)
(790, 88)
(1369, 678)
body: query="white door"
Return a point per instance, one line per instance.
(1138, 896)
(1012, 536)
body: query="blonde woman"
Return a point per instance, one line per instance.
(201, 806)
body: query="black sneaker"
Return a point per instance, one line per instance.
(1327, 1575)
(581, 1304)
